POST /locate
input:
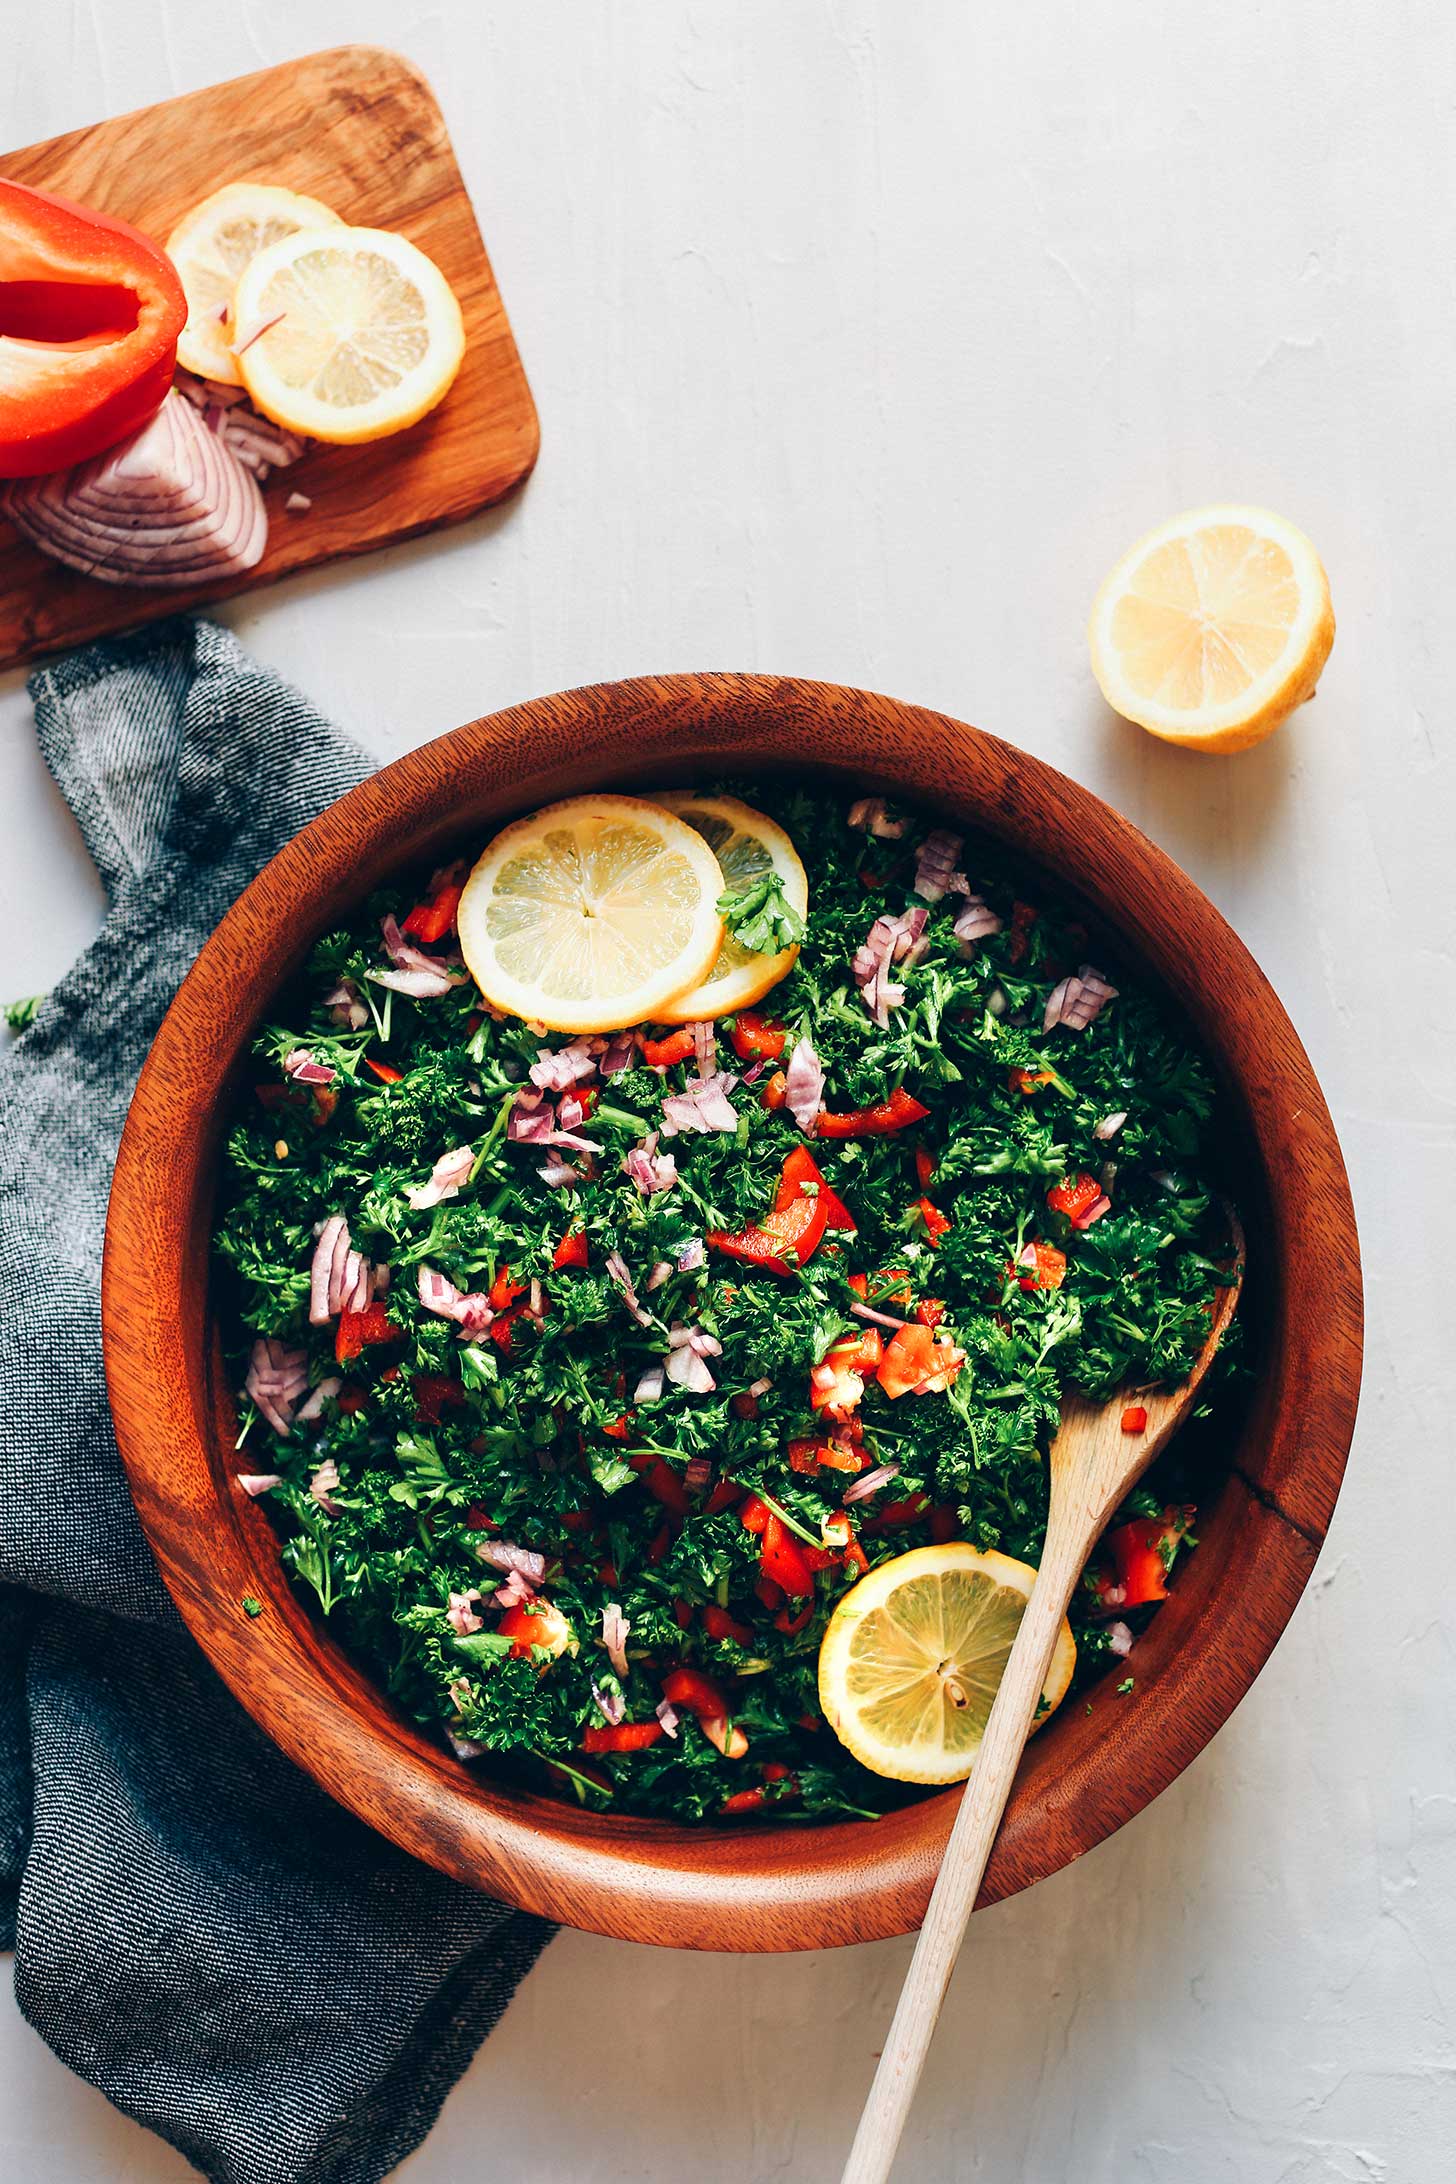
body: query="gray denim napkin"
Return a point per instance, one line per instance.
(198, 1930)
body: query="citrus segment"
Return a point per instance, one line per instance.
(748, 846)
(1212, 629)
(590, 914)
(346, 334)
(914, 1654)
(210, 247)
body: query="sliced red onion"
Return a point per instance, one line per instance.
(322, 1394)
(346, 1005)
(704, 1107)
(321, 1486)
(871, 814)
(1108, 1127)
(615, 1632)
(569, 1065)
(447, 1179)
(512, 1592)
(531, 1119)
(868, 1482)
(461, 1615)
(610, 1704)
(259, 1482)
(876, 1319)
(171, 506)
(617, 1270)
(650, 1170)
(705, 1049)
(890, 941)
(1078, 1001)
(505, 1555)
(935, 866)
(649, 1388)
(668, 1715)
(428, 976)
(258, 333)
(1119, 1640)
(276, 1377)
(687, 1367)
(328, 1252)
(804, 1086)
(1094, 1212)
(977, 921)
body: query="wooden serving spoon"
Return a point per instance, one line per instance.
(1093, 1465)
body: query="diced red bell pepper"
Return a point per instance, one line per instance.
(895, 1113)
(743, 1801)
(743, 1405)
(718, 1623)
(662, 1053)
(432, 919)
(754, 1515)
(769, 1594)
(384, 1071)
(757, 1038)
(916, 1364)
(894, 1516)
(801, 1169)
(783, 1560)
(90, 312)
(435, 1393)
(619, 1428)
(1023, 917)
(1074, 1196)
(775, 1091)
(659, 1544)
(790, 1623)
(620, 1736)
(929, 1312)
(696, 1693)
(540, 1624)
(1135, 1418)
(855, 1558)
(352, 1400)
(725, 1493)
(945, 1524)
(936, 1222)
(355, 1329)
(835, 1456)
(504, 1291)
(804, 1456)
(1028, 1081)
(660, 1479)
(890, 1286)
(924, 1168)
(572, 1249)
(782, 1242)
(682, 1614)
(1050, 1270)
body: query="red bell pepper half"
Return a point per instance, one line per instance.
(90, 311)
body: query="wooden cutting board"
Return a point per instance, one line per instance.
(359, 128)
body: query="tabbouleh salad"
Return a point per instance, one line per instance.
(584, 1376)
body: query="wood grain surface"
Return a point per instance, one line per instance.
(357, 127)
(1277, 1460)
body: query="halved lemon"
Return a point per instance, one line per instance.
(747, 845)
(1213, 628)
(591, 914)
(914, 1655)
(346, 334)
(211, 244)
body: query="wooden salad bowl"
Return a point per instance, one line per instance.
(1274, 1451)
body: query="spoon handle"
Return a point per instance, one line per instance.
(953, 1900)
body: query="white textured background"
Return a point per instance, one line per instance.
(864, 336)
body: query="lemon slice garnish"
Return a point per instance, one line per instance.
(914, 1655)
(211, 245)
(1213, 628)
(346, 334)
(590, 914)
(747, 845)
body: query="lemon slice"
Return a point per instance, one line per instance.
(346, 334)
(211, 244)
(592, 913)
(914, 1655)
(1214, 628)
(746, 845)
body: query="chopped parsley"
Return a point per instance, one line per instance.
(433, 1446)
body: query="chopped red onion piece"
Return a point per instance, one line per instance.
(346, 1005)
(661, 1272)
(557, 1174)
(697, 1473)
(871, 814)
(649, 1387)
(461, 1615)
(890, 941)
(555, 1072)
(448, 1177)
(804, 1086)
(650, 1170)
(704, 1107)
(505, 1555)
(692, 1255)
(615, 1632)
(333, 1238)
(304, 1067)
(760, 1387)
(1109, 1126)
(705, 1049)
(977, 921)
(297, 504)
(610, 1704)
(1078, 1000)
(1119, 1640)
(935, 867)
(668, 1715)
(321, 1486)
(259, 1482)
(313, 1408)
(868, 1482)
(1093, 1213)
(617, 1269)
